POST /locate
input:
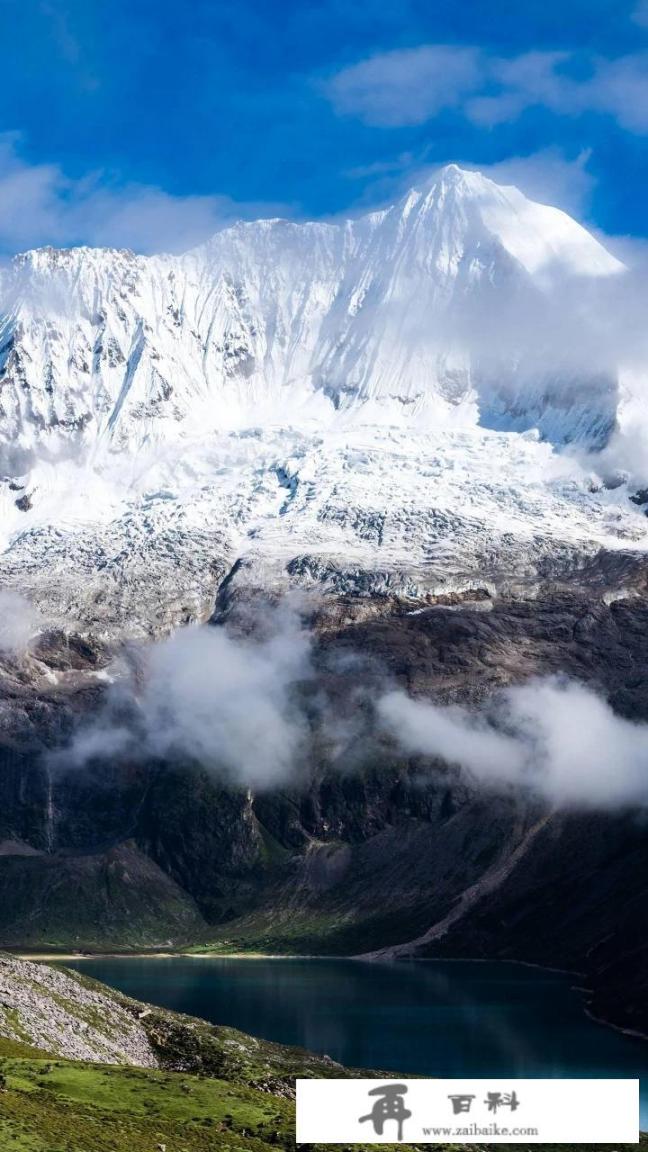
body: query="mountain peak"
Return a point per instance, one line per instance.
(462, 181)
(543, 239)
(465, 178)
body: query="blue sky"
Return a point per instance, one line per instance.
(148, 123)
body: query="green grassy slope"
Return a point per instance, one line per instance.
(63, 1106)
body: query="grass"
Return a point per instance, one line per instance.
(293, 933)
(60, 1106)
(64, 1106)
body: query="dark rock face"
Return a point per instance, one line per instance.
(578, 901)
(371, 853)
(205, 837)
(466, 653)
(118, 898)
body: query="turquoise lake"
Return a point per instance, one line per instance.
(437, 1018)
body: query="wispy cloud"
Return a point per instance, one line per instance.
(640, 14)
(406, 87)
(225, 701)
(253, 709)
(19, 622)
(40, 204)
(619, 88)
(410, 87)
(556, 739)
(67, 44)
(548, 176)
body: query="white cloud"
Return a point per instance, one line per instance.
(617, 88)
(452, 734)
(620, 88)
(40, 205)
(549, 177)
(147, 219)
(394, 166)
(19, 622)
(555, 739)
(235, 704)
(227, 702)
(511, 85)
(405, 87)
(395, 89)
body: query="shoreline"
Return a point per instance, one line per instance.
(51, 957)
(62, 957)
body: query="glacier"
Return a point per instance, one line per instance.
(372, 406)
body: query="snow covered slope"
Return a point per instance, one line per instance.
(323, 401)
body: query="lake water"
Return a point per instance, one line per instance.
(436, 1018)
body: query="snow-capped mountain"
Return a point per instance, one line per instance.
(278, 321)
(331, 401)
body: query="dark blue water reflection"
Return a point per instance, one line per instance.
(439, 1018)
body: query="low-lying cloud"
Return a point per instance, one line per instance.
(19, 622)
(553, 738)
(229, 703)
(253, 708)
(40, 204)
